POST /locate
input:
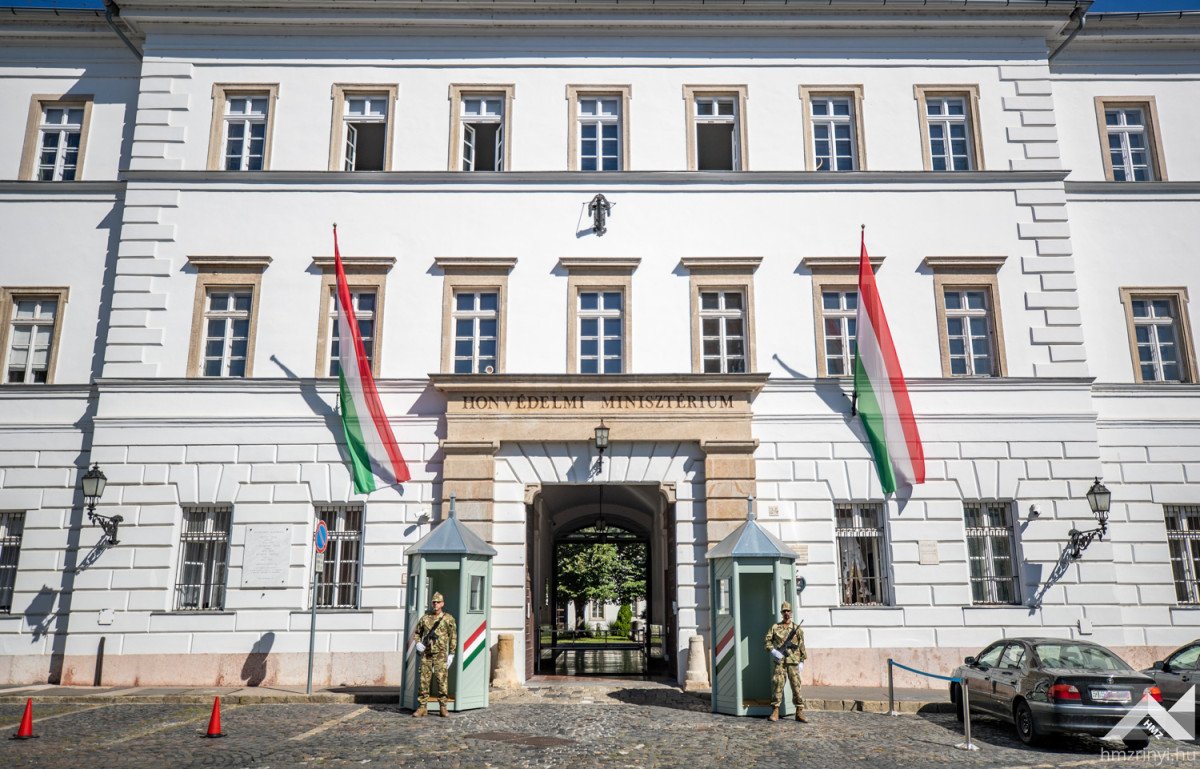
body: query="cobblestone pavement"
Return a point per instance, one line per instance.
(619, 727)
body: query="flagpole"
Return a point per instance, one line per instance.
(854, 391)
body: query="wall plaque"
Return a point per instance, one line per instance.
(267, 556)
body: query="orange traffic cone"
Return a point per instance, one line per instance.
(214, 721)
(25, 730)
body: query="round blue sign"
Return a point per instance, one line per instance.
(321, 536)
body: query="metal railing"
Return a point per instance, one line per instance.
(962, 693)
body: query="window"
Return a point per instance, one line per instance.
(1183, 539)
(243, 116)
(55, 138)
(595, 610)
(969, 327)
(716, 128)
(477, 593)
(833, 128)
(990, 657)
(476, 323)
(1160, 337)
(479, 127)
(227, 332)
(723, 332)
(600, 332)
(950, 127)
(473, 302)
(12, 525)
(365, 121)
(225, 315)
(337, 583)
(839, 313)
(991, 552)
(862, 577)
(203, 558)
(1130, 140)
(363, 301)
(31, 334)
(598, 130)
(1013, 657)
(723, 601)
(722, 291)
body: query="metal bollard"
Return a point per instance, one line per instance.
(966, 700)
(891, 689)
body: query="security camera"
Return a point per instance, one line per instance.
(1034, 513)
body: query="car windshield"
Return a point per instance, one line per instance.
(1069, 655)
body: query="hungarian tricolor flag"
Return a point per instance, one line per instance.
(369, 440)
(882, 397)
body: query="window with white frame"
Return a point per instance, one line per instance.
(482, 132)
(226, 332)
(991, 552)
(476, 327)
(600, 133)
(833, 129)
(595, 610)
(723, 332)
(364, 302)
(717, 145)
(338, 581)
(203, 558)
(1183, 539)
(1157, 337)
(31, 337)
(1128, 144)
(364, 135)
(862, 572)
(970, 332)
(949, 124)
(245, 131)
(601, 320)
(60, 134)
(12, 526)
(839, 318)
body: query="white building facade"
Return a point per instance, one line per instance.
(167, 263)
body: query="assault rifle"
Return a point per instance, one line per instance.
(427, 639)
(789, 644)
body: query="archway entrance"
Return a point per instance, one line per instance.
(600, 568)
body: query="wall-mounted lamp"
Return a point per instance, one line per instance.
(1100, 500)
(93, 483)
(599, 209)
(601, 444)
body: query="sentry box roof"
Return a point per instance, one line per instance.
(451, 537)
(751, 541)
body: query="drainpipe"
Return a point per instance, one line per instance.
(111, 9)
(1079, 16)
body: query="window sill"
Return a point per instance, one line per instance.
(197, 613)
(332, 611)
(870, 607)
(986, 606)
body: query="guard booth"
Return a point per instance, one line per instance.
(456, 562)
(752, 572)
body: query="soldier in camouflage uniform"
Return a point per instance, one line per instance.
(787, 665)
(436, 638)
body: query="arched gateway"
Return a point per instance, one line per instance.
(519, 455)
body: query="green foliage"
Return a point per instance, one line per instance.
(623, 623)
(606, 572)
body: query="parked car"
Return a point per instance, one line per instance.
(1053, 686)
(1178, 673)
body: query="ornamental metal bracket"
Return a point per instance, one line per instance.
(600, 209)
(1079, 540)
(108, 523)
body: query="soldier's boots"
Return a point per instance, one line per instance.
(443, 712)
(774, 714)
(420, 712)
(800, 716)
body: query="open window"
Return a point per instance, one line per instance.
(716, 130)
(479, 135)
(362, 128)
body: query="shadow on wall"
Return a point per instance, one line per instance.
(254, 670)
(40, 612)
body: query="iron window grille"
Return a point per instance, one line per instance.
(991, 549)
(12, 526)
(862, 573)
(337, 583)
(203, 559)
(1183, 539)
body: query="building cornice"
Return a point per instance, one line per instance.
(1132, 190)
(840, 265)
(451, 384)
(476, 265)
(356, 263)
(721, 265)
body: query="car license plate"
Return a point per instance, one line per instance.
(1110, 695)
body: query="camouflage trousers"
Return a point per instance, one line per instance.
(792, 674)
(433, 669)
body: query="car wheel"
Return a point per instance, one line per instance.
(1026, 727)
(1136, 743)
(957, 698)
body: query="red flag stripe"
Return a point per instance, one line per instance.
(475, 635)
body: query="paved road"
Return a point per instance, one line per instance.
(617, 728)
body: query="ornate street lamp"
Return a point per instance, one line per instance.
(1099, 500)
(601, 444)
(93, 483)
